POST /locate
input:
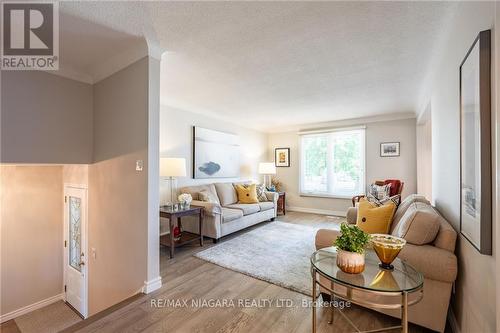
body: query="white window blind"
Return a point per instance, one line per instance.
(333, 163)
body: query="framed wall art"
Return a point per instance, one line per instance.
(282, 157)
(389, 149)
(475, 144)
(215, 154)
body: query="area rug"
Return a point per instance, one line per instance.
(49, 319)
(277, 252)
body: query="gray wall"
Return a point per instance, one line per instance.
(403, 167)
(473, 305)
(45, 118)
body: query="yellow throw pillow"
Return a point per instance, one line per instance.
(247, 194)
(374, 219)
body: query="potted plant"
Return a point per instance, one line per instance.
(351, 248)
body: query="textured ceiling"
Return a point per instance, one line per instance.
(269, 65)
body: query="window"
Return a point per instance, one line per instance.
(333, 163)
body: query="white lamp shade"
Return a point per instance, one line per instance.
(267, 168)
(173, 167)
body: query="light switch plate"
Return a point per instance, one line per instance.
(139, 165)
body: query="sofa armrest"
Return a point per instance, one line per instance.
(272, 196)
(210, 208)
(352, 215)
(434, 263)
(325, 238)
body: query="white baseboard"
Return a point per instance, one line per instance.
(31, 307)
(151, 285)
(453, 321)
(316, 211)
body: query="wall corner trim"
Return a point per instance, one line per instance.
(31, 307)
(152, 285)
(453, 321)
(316, 211)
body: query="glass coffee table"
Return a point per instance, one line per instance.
(375, 287)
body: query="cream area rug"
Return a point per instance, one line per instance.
(277, 252)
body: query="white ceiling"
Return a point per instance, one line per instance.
(270, 65)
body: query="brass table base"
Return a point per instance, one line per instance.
(403, 305)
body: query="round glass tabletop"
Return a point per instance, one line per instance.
(403, 278)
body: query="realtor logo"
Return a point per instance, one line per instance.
(30, 36)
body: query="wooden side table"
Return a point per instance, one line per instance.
(282, 202)
(174, 217)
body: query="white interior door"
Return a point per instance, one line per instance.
(75, 248)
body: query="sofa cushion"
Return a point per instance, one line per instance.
(226, 193)
(208, 196)
(419, 225)
(247, 194)
(261, 189)
(247, 209)
(403, 206)
(266, 205)
(379, 192)
(229, 214)
(195, 190)
(373, 219)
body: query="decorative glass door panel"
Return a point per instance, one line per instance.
(75, 234)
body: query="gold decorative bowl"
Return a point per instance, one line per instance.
(387, 248)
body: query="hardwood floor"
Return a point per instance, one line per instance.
(186, 278)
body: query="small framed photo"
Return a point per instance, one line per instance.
(282, 157)
(389, 149)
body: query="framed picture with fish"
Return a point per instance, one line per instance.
(215, 154)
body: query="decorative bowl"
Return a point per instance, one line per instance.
(387, 248)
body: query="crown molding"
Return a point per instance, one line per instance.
(154, 49)
(116, 63)
(69, 72)
(111, 65)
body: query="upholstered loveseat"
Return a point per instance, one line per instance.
(435, 259)
(224, 215)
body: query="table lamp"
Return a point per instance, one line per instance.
(267, 169)
(171, 168)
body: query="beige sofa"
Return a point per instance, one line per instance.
(225, 216)
(435, 259)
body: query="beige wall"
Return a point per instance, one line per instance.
(45, 118)
(424, 159)
(474, 304)
(31, 208)
(403, 167)
(118, 194)
(176, 141)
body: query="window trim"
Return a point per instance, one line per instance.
(302, 193)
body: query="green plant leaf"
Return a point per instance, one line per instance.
(352, 238)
